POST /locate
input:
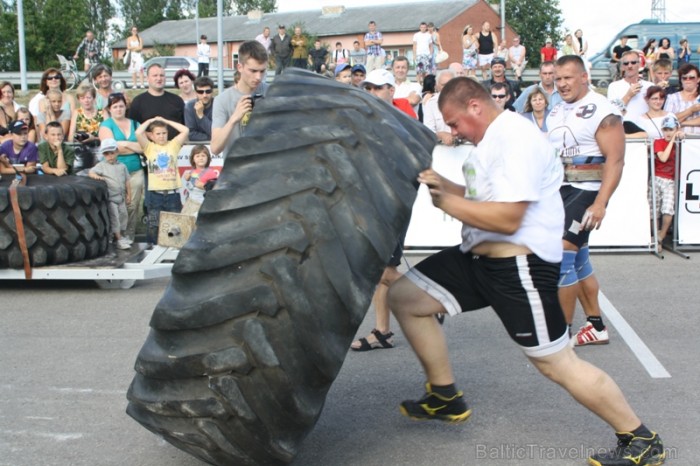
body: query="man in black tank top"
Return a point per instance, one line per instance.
(487, 41)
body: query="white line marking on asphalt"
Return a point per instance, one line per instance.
(87, 391)
(59, 437)
(652, 365)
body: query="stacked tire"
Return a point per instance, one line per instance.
(268, 293)
(65, 220)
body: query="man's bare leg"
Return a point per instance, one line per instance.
(590, 386)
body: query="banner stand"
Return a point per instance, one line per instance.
(686, 222)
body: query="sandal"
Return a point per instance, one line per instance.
(383, 340)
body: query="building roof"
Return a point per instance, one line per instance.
(389, 18)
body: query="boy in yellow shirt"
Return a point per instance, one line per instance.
(163, 176)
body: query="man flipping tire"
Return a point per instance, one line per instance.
(512, 214)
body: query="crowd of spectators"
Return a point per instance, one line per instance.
(97, 114)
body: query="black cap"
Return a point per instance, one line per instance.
(17, 126)
(498, 61)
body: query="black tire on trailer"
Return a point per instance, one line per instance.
(268, 293)
(65, 220)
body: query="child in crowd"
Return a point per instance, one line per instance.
(116, 175)
(663, 184)
(18, 151)
(163, 179)
(56, 156)
(55, 111)
(195, 180)
(23, 114)
(343, 73)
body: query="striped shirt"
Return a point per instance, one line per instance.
(375, 50)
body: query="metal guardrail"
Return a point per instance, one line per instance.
(34, 77)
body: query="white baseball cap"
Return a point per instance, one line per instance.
(380, 78)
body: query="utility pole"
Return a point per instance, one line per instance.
(658, 10)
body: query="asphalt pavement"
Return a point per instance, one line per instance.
(67, 351)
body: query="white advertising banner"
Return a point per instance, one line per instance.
(688, 211)
(626, 223)
(430, 227)
(627, 218)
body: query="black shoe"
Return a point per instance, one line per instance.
(632, 451)
(435, 406)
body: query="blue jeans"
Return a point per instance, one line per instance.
(156, 203)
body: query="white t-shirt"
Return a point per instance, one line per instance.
(637, 106)
(423, 41)
(572, 128)
(651, 127)
(403, 90)
(514, 162)
(432, 117)
(203, 52)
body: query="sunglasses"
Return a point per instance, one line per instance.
(688, 77)
(54, 77)
(627, 63)
(498, 96)
(204, 91)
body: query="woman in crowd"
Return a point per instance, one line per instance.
(437, 45)
(535, 108)
(685, 102)
(26, 116)
(8, 106)
(123, 130)
(649, 51)
(665, 50)
(86, 120)
(568, 48)
(51, 79)
(426, 94)
(470, 50)
(650, 122)
(135, 44)
(184, 80)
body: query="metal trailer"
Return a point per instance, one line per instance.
(121, 269)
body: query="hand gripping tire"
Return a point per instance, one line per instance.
(268, 293)
(65, 220)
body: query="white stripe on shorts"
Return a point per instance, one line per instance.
(533, 297)
(435, 290)
(546, 346)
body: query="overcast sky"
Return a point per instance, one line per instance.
(600, 20)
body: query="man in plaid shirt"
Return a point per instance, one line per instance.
(92, 49)
(373, 42)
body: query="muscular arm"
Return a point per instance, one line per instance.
(611, 140)
(499, 217)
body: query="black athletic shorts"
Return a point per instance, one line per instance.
(523, 290)
(576, 201)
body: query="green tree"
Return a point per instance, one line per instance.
(534, 21)
(9, 58)
(146, 13)
(244, 6)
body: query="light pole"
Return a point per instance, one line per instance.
(503, 20)
(22, 52)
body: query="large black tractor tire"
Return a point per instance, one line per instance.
(268, 293)
(65, 220)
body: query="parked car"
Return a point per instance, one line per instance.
(172, 64)
(639, 33)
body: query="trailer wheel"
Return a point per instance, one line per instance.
(65, 220)
(268, 293)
